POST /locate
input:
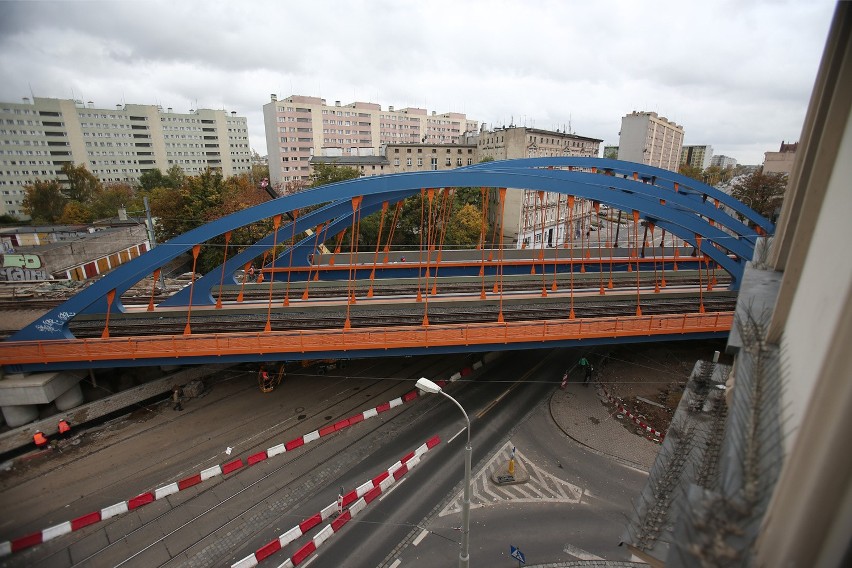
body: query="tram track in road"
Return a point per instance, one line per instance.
(342, 405)
(244, 510)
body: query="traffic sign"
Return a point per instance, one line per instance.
(518, 555)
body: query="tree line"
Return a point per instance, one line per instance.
(182, 202)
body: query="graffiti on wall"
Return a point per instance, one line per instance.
(22, 274)
(20, 261)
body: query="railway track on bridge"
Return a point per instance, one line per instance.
(406, 315)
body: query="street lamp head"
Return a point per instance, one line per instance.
(425, 384)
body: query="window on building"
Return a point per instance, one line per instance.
(449, 162)
(434, 163)
(396, 161)
(420, 161)
(408, 162)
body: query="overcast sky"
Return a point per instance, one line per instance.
(736, 74)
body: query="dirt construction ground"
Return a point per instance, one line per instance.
(655, 372)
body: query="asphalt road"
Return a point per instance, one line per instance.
(576, 508)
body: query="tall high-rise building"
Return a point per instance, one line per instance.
(299, 127)
(697, 156)
(647, 138)
(117, 145)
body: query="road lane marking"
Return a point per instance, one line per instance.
(315, 556)
(393, 488)
(525, 376)
(420, 537)
(456, 435)
(396, 563)
(542, 486)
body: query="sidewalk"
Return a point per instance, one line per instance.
(580, 412)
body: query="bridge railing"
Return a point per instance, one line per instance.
(289, 342)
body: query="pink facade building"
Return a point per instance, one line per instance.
(299, 127)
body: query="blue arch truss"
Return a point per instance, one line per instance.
(682, 206)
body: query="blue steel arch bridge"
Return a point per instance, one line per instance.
(674, 274)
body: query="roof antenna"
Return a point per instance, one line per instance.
(570, 130)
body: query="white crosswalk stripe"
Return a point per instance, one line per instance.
(542, 486)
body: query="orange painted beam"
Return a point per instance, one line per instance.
(206, 345)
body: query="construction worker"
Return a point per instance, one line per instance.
(64, 428)
(266, 382)
(177, 395)
(587, 367)
(39, 439)
(564, 380)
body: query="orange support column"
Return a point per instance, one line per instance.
(156, 276)
(222, 277)
(195, 250)
(110, 298)
(276, 223)
(638, 272)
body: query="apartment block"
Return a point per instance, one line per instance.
(697, 156)
(117, 144)
(723, 161)
(647, 138)
(299, 127)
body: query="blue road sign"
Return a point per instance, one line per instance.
(518, 555)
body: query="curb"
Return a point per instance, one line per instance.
(588, 447)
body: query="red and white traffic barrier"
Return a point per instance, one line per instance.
(356, 500)
(8, 547)
(635, 419)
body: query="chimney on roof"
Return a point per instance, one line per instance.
(90, 104)
(169, 109)
(26, 100)
(117, 107)
(337, 103)
(390, 108)
(273, 97)
(233, 113)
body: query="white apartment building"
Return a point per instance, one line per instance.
(647, 138)
(723, 161)
(299, 127)
(697, 156)
(117, 145)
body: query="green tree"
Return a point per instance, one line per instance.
(44, 201)
(75, 213)
(113, 196)
(174, 177)
(464, 228)
(691, 171)
(331, 173)
(151, 180)
(762, 192)
(82, 185)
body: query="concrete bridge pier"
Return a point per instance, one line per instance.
(20, 394)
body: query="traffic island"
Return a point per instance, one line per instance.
(502, 475)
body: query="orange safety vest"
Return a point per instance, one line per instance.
(39, 439)
(64, 427)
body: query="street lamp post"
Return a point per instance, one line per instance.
(426, 385)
